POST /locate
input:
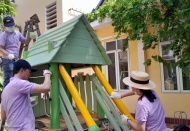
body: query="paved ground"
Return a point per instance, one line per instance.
(39, 130)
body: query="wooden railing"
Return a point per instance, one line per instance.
(86, 88)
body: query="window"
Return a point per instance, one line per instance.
(119, 67)
(51, 16)
(173, 79)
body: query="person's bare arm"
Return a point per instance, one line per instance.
(45, 87)
(3, 51)
(128, 122)
(136, 126)
(3, 114)
(24, 41)
(3, 119)
(115, 95)
(129, 93)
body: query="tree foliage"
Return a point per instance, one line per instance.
(168, 18)
(6, 8)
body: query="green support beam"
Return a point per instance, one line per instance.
(55, 107)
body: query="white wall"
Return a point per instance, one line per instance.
(84, 6)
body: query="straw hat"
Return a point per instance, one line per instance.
(140, 80)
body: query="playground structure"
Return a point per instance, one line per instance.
(72, 45)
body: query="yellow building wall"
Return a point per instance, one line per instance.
(107, 34)
(172, 102)
(133, 49)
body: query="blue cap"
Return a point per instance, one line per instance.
(8, 21)
(23, 64)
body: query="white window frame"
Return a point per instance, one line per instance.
(178, 75)
(118, 88)
(119, 50)
(109, 52)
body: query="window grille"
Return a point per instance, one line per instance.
(51, 16)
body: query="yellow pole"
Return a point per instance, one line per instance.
(109, 90)
(86, 115)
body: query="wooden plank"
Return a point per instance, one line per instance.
(95, 100)
(77, 87)
(66, 116)
(93, 34)
(74, 58)
(69, 108)
(42, 58)
(39, 108)
(34, 48)
(109, 103)
(100, 47)
(84, 20)
(88, 93)
(80, 24)
(39, 50)
(81, 33)
(82, 89)
(81, 42)
(80, 50)
(107, 112)
(106, 58)
(49, 35)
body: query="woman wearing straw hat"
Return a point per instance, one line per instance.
(149, 112)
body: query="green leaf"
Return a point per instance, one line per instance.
(135, 18)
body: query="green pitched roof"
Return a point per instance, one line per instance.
(71, 42)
